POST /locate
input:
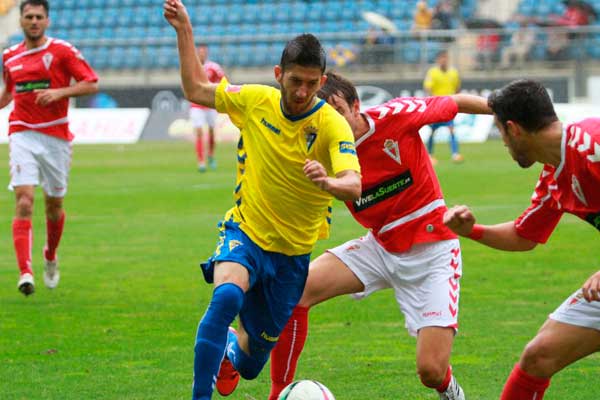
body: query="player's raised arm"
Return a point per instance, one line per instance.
(194, 82)
(502, 236)
(345, 186)
(470, 104)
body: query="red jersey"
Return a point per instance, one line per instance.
(50, 66)
(401, 200)
(572, 187)
(215, 73)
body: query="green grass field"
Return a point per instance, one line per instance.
(122, 322)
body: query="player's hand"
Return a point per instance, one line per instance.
(591, 288)
(43, 97)
(175, 13)
(460, 220)
(317, 173)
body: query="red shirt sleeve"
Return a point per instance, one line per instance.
(6, 76)
(78, 67)
(417, 112)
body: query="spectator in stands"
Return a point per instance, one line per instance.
(5, 6)
(558, 42)
(488, 45)
(443, 15)
(576, 14)
(378, 48)
(521, 43)
(443, 80)
(204, 118)
(423, 17)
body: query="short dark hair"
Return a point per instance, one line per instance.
(525, 102)
(304, 50)
(337, 84)
(43, 3)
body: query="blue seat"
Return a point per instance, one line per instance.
(141, 16)
(95, 16)
(125, 17)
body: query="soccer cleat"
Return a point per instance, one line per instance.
(453, 392)
(457, 158)
(201, 167)
(228, 378)
(212, 163)
(26, 285)
(51, 274)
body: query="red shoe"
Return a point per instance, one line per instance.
(228, 377)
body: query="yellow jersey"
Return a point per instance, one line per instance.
(276, 205)
(440, 83)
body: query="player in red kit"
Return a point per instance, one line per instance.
(407, 248)
(569, 183)
(37, 76)
(204, 117)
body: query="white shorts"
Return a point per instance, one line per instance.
(37, 159)
(202, 117)
(425, 278)
(577, 311)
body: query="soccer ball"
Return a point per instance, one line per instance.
(306, 390)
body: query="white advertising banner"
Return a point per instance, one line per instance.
(468, 128)
(101, 125)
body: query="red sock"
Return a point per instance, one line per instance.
(211, 144)
(285, 355)
(199, 149)
(54, 230)
(22, 238)
(522, 386)
(442, 388)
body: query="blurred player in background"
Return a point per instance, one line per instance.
(203, 117)
(569, 183)
(407, 248)
(443, 80)
(37, 76)
(294, 155)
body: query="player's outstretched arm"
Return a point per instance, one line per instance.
(470, 104)
(345, 186)
(194, 81)
(5, 98)
(502, 236)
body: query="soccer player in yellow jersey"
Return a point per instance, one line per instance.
(443, 80)
(294, 155)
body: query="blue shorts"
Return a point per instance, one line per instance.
(437, 125)
(276, 283)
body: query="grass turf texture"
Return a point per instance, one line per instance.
(122, 322)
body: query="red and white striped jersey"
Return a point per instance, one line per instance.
(401, 200)
(214, 73)
(50, 66)
(572, 187)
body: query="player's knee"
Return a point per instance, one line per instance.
(431, 373)
(537, 358)
(24, 206)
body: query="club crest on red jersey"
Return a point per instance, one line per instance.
(390, 147)
(47, 60)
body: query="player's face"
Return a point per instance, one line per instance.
(515, 143)
(34, 22)
(298, 87)
(350, 112)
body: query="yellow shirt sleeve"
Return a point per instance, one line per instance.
(237, 100)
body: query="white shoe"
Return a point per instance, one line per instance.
(453, 392)
(51, 274)
(26, 285)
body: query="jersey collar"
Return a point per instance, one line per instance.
(563, 149)
(369, 132)
(295, 118)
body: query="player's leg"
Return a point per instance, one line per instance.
(55, 166)
(571, 333)
(22, 232)
(328, 277)
(431, 143)
(426, 284)
(211, 119)
(456, 156)
(198, 122)
(231, 280)
(24, 173)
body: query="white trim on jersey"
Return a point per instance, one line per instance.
(542, 201)
(563, 152)
(32, 51)
(369, 132)
(59, 121)
(413, 215)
